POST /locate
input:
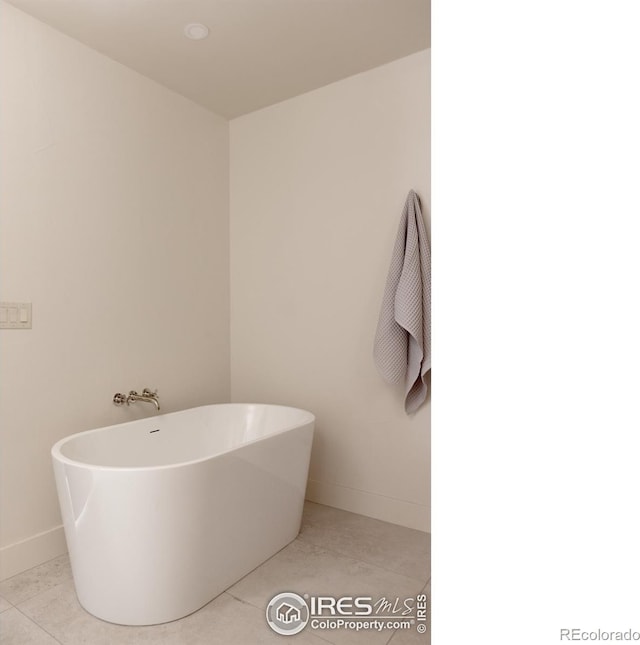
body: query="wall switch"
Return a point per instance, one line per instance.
(15, 315)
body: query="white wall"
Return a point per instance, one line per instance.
(318, 183)
(114, 223)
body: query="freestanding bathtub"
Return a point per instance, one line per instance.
(163, 514)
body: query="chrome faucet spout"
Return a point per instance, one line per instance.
(151, 397)
(145, 399)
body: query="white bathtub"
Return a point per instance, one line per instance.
(163, 514)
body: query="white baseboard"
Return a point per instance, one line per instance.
(388, 509)
(20, 556)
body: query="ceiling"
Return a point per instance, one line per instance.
(258, 52)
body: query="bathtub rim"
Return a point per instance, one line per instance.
(57, 455)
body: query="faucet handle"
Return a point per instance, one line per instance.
(148, 392)
(119, 399)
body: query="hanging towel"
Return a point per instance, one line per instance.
(402, 348)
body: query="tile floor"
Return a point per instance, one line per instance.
(337, 553)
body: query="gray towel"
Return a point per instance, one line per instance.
(402, 347)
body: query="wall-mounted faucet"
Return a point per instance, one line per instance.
(147, 396)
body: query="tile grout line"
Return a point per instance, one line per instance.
(373, 564)
(242, 600)
(11, 605)
(38, 625)
(393, 633)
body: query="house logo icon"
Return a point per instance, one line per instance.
(287, 614)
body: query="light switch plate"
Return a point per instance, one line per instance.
(15, 315)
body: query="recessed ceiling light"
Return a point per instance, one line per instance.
(196, 31)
